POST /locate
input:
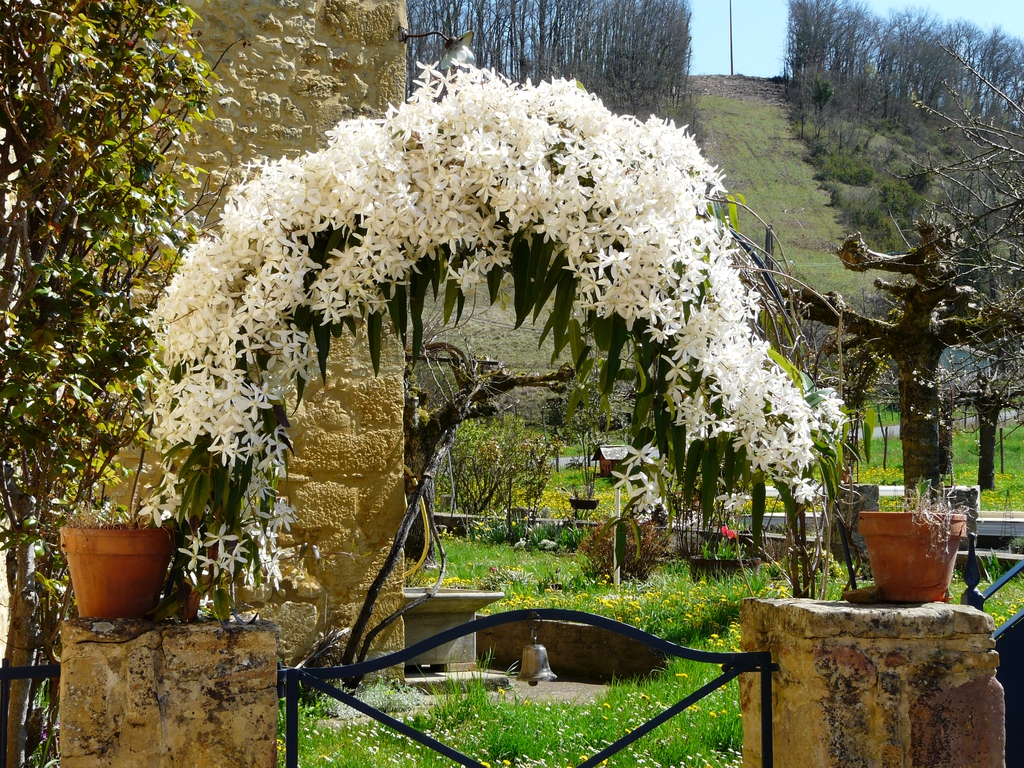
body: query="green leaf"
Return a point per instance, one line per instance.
(198, 455)
(561, 313)
(552, 279)
(452, 291)
(693, 459)
(397, 309)
(641, 408)
(541, 251)
(494, 283)
(620, 543)
(787, 502)
(617, 339)
(418, 285)
(373, 333)
(709, 478)
(521, 276)
(166, 608)
(202, 495)
(870, 422)
(758, 495)
(787, 366)
(222, 603)
(679, 450)
(322, 334)
(576, 345)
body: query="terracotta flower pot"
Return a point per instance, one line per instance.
(907, 568)
(117, 573)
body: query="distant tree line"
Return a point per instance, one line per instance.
(839, 52)
(634, 54)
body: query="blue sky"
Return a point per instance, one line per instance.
(759, 29)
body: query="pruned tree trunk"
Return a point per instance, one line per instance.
(988, 420)
(919, 413)
(23, 639)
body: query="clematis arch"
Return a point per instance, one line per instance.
(604, 224)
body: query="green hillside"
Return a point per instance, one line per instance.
(753, 144)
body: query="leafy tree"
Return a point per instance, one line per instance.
(94, 99)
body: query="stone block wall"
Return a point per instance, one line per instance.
(289, 70)
(874, 686)
(345, 479)
(135, 695)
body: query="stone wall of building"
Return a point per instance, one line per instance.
(874, 686)
(136, 695)
(345, 479)
(289, 70)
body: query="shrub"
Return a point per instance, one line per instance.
(900, 199)
(596, 547)
(847, 169)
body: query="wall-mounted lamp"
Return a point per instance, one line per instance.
(456, 49)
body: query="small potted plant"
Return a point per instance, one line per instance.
(581, 497)
(721, 556)
(118, 564)
(912, 553)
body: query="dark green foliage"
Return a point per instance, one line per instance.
(94, 99)
(93, 105)
(846, 169)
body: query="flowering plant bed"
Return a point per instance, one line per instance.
(607, 227)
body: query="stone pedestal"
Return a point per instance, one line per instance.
(448, 609)
(874, 686)
(134, 694)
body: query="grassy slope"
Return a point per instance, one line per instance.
(763, 161)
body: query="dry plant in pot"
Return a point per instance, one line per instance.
(118, 565)
(912, 553)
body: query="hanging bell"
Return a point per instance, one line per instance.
(535, 667)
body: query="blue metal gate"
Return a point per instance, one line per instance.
(1009, 638)
(733, 665)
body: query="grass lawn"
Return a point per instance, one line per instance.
(1009, 492)
(502, 730)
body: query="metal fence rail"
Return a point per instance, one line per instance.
(9, 673)
(733, 665)
(972, 577)
(1009, 639)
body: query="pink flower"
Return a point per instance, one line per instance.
(728, 532)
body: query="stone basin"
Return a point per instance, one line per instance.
(449, 608)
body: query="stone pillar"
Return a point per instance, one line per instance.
(345, 480)
(966, 500)
(874, 686)
(861, 497)
(134, 695)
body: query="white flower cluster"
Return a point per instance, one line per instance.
(469, 162)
